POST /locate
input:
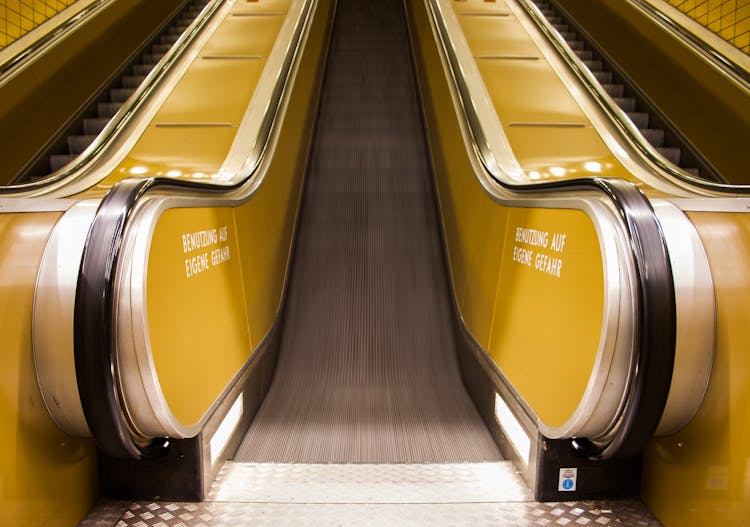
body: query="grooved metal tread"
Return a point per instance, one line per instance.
(463, 494)
(367, 369)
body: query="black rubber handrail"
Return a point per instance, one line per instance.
(94, 312)
(656, 317)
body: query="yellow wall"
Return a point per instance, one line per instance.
(18, 17)
(46, 477)
(730, 19)
(700, 477)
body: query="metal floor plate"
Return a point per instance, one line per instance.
(470, 494)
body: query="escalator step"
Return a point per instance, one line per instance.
(576, 45)
(694, 171)
(585, 54)
(640, 119)
(151, 58)
(604, 77)
(79, 143)
(94, 125)
(57, 161)
(614, 90)
(168, 39)
(626, 103)
(132, 81)
(673, 153)
(107, 109)
(142, 69)
(655, 136)
(120, 94)
(593, 65)
(160, 48)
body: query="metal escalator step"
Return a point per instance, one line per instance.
(151, 58)
(694, 171)
(655, 136)
(94, 125)
(567, 34)
(576, 45)
(79, 143)
(585, 54)
(673, 153)
(160, 47)
(626, 103)
(604, 77)
(57, 161)
(120, 94)
(168, 39)
(614, 90)
(107, 109)
(142, 69)
(640, 119)
(593, 65)
(132, 81)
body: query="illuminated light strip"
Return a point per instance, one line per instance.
(227, 427)
(507, 57)
(256, 14)
(512, 429)
(231, 57)
(479, 13)
(194, 125)
(550, 125)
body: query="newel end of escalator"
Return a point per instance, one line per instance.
(566, 471)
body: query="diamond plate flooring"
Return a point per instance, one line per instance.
(458, 494)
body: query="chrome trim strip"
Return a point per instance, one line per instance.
(52, 318)
(696, 319)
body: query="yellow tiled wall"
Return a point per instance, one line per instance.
(18, 17)
(730, 19)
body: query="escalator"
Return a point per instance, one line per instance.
(367, 347)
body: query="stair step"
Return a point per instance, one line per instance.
(593, 65)
(160, 47)
(655, 136)
(576, 45)
(94, 125)
(132, 81)
(626, 103)
(604, 77)
(57, 161)
(142, 69)
(107, 109)
(585, 54)
(79, 143)
(120, 94)
(673, 153)
(151, 58)
(640, 119)
(168, 39)
(614, 90)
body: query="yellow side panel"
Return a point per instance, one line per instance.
(46, 477)
(231, 83)
(245, 35)
(529, 91)
(555, 153)
(496, 36)
(701, 475)
(551, 265)
(483, 270)
(198, 343)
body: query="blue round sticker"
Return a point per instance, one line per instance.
(567, 484)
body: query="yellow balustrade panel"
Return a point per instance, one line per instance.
(549, 306)
(699, 476)
(196, 309)
(518, 273)
(46, 477)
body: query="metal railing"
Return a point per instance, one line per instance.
(18, 17)
(729, 19)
